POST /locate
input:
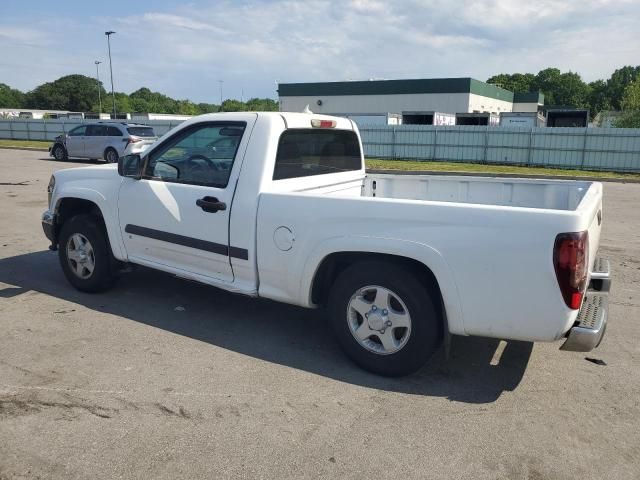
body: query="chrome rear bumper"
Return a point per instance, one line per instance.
(591, 322)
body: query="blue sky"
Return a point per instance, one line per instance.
(183, 49)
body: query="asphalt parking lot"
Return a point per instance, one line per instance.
(161, 378)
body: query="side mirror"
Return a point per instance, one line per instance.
(129, 166)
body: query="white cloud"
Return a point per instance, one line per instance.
(184, 50)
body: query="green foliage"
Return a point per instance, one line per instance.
(569, 89)
(76, 93)
(208, 108)
(10, 98)
(630, 119)
(599, 99)
(618, 82)
(630, 104)
(516, 82)
(262, 105)
(631, 97)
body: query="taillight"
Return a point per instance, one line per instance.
(571, 260)
(131, 140)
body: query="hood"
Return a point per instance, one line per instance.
(97, 172)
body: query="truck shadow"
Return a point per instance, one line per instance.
(270, 331)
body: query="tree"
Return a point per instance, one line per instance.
(558, 88)
(630, 104)
(186, 107)
(629, 119)
(208, 108)
(76, 93)
(571, 90)
(262, 105)
(598, 97)
(10, 97)
(631, 97)
(516, 82)
(547, 81)
(618, 82)
(233, 106)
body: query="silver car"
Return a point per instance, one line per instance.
(102, 140)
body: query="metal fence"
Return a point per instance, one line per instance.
(613, 149)
(32, 129)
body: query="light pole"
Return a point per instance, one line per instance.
(113, 97)
(220, 82)
(98, 82)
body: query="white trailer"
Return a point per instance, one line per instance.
(521, 119)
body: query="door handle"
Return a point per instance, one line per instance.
(211, 204)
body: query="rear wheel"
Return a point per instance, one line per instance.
(59, 152)
(111, 156)
(84, 254)
(384, 318)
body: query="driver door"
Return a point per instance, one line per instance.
(177, 214)
(74, 142)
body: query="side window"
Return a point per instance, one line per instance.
(78, 131)
(307, 152)
(199, 155)
(96, 130)
(113, 132)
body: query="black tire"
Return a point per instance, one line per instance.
(92, 228)
(59, 152)
(111, 155)
(426, 321)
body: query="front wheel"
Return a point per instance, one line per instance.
(384, 318)
(84, 254)
(59, 153)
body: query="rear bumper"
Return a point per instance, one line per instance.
(591, 322)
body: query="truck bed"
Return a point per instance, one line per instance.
(527, 193)
(488, 241)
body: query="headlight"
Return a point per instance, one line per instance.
(50, 188)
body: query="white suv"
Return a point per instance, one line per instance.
(106, 141)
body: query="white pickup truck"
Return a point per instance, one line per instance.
(278, 205)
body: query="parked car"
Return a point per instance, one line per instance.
(102, 140)
(400, 262)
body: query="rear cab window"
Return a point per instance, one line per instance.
(307, 152)
(141, 131)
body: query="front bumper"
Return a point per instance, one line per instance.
(49, 227)
(591, 323)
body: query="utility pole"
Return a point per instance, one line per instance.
(220, 82)
(98, 82)
(113, 97)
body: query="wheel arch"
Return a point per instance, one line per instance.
(429, 266)
(67, 207)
